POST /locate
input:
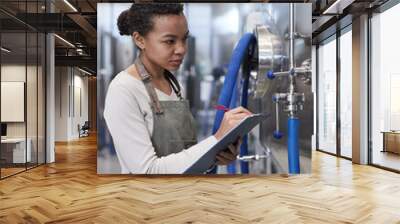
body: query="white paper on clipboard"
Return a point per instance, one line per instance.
(208, 159)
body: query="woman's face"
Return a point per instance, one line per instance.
(165, 44)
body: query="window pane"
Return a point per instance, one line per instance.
(327, 97)
(346, 94)
(385, 89)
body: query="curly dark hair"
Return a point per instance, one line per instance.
(138, 18)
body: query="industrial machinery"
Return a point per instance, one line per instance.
(276, 79)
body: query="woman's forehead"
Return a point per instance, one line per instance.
(165, 25)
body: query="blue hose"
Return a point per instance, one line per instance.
(232, 166)
(224, 99)
(293, 145)
(230, 79)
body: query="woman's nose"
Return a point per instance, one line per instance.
(181, 48)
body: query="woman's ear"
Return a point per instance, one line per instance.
(138, 39)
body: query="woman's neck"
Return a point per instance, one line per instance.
(156, 72)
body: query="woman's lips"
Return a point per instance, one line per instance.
(176, 62)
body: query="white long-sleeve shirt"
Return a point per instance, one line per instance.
(129, 119)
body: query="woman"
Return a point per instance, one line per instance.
(152, 128)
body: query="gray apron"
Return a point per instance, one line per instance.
(174, 127)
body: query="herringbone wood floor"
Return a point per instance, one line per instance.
(70, 191)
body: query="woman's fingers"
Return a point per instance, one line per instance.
(227, 155)
(230, 120)
(233, 149)
(239, 116)
(240, 110)
(222, 161)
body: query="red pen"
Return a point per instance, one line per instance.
(221, 107)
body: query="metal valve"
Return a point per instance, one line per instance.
(251, 157)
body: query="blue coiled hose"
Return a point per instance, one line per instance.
(228, 88)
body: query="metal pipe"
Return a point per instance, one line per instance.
(281, 73)
(291, 55)
(293, 122)
(291, 35)
(252, 157)
(276, 98)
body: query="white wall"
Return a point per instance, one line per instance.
(33, 126)
(16, 73)
(61, 103)
(71, 93)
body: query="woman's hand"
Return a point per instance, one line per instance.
(227, 156)
(230, 120)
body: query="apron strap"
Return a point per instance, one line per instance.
(146, 79)
(174, 83)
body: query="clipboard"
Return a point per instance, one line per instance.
(208, 159)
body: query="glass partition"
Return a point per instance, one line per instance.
(14, 152)
(22, 88)
(327, 96)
